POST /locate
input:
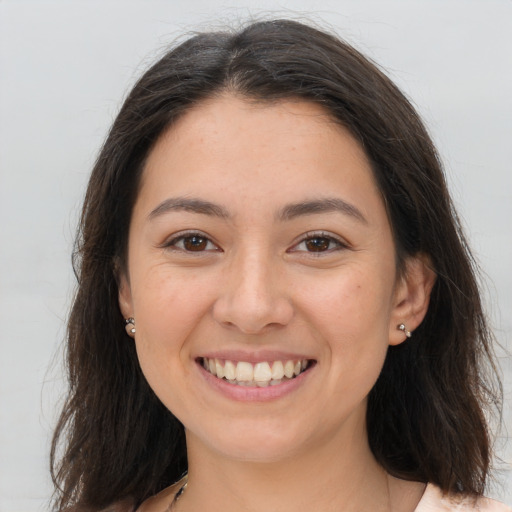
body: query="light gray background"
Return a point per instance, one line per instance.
(64, 68)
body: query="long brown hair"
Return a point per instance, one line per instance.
(115, 441)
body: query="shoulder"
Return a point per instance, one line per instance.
(434, 500)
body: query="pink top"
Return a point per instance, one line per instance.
(433, 501)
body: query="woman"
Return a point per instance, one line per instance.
(269, 222)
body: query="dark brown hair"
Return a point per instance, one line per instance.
(115, 441)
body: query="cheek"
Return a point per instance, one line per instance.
(352, 301)
(168, 307)
(351, 314)
(165, 297)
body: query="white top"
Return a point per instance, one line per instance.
(434, 501)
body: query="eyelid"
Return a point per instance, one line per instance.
(341, 243)
(170, 242)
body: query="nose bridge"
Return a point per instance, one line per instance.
(253, 296)
(255, 283)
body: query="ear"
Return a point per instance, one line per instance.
(411, 297)
(125, 296)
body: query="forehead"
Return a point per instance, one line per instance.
(232, 118)
(229, 145)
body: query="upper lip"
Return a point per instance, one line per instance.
(254, 356)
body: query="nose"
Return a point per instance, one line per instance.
(253, 297)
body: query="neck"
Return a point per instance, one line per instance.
(329, 478)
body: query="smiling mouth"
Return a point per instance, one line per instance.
(262, 374)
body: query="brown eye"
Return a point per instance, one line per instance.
(195, 243)
(318, 244)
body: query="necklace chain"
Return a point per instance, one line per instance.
(177, 496)
(182, 488)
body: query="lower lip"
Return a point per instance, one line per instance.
(254, 394)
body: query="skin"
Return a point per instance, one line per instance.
(318, 285)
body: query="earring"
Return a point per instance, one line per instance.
(401, 327)
(130, 326)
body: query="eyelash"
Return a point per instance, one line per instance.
(182, 238)
(339, 244)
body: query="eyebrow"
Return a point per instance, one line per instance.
(316, 206)
(193, 205)
(288, 212)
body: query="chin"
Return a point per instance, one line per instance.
(250, 445)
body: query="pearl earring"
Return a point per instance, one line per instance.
(130, 326)
(401, 327)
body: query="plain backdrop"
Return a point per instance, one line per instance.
(64, 69)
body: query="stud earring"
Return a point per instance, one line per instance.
(130, 326)
(401, 327)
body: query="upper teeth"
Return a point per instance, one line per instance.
(258, 374)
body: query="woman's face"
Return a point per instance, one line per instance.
(260, 248)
